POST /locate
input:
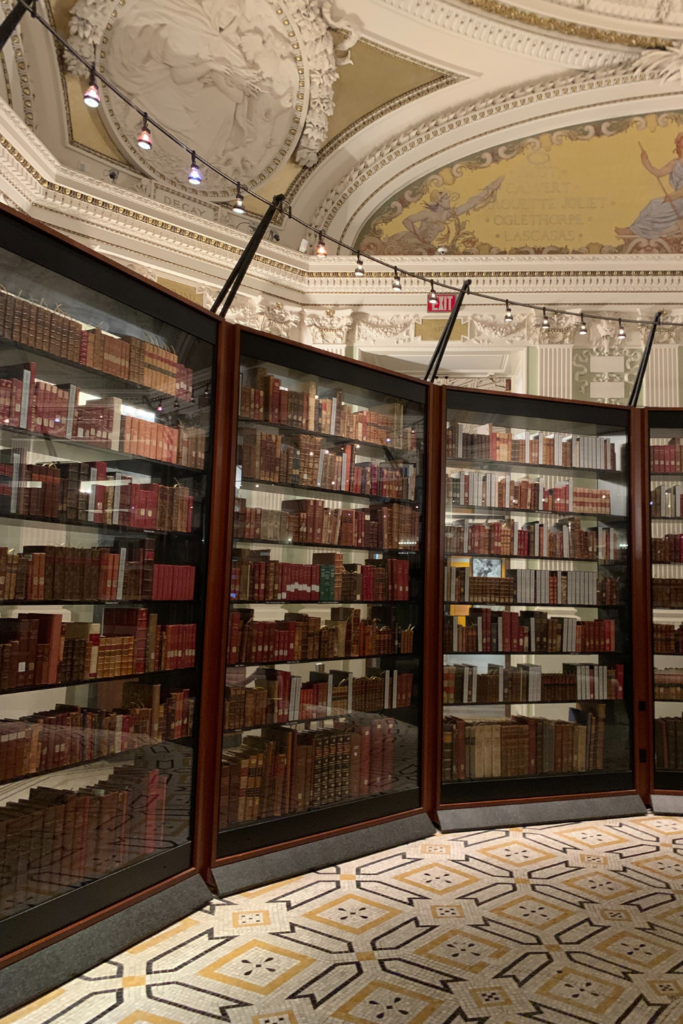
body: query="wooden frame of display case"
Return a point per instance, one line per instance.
(634, 795)
(424, 794)
(91, 906)
(665, 786)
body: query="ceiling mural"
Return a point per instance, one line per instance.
(245, 83)
(611, 186)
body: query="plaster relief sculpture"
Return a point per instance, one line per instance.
(242, 82)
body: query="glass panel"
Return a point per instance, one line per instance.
(536, 631)
(104, 416)
(321, 703)
(666, 548)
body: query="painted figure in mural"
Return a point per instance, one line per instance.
(428, 224)
(661, 216)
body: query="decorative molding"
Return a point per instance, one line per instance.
(295, 65)
(21, 69)
(328, 328)
(555, 371)
(448, 17)
(544, 23)
(661, 386)
(372, 330)
(450, 121)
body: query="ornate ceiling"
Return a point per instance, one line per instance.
(460, 137)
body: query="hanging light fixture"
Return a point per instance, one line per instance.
(508, 313)
(195, 175)
(622, 332)
(432, 300)
(238, 205)
(396, 283)
(145, 137)
(583, 330)
(320, 249)
(360, 270)
(545, 326)
(91, 96)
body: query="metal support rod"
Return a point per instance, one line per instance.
(435, 362)
(239, 270)
(12, 20)
(640, 376)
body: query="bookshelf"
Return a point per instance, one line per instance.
(106, 406)
(665, 435)
(536, 638)
(323, 684)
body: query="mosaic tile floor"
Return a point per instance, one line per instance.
(558, 924)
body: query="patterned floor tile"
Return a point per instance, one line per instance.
(579, 923)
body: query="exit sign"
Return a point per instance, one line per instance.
(443, 304)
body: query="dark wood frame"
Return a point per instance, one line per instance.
(431, 484)
(637, 728)
(108, 277)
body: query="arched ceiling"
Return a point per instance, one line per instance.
(402, 127)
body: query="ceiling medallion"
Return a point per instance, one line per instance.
(244, 83)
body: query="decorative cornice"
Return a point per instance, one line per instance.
(544, 23)
(493, 32)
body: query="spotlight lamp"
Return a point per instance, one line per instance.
(91, 96)
(508, 313)
(238, 205)
(320, 249)
(622, 332)
(195, 175)
(396, 283)
(432, 300)
(360, 270)
(145, 137)
(545, 326)
(583, 330)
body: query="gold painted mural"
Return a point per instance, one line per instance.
(606, 187)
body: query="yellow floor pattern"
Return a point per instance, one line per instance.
(560, 924)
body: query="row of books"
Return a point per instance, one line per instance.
(667, 549)
(669, 744)
(474, 488)
(70, 735)
(667, 638)
(518, 746)
(265, 399)
(281, 697)
(487, 632)
(308, 521)
(666, 502)
(39, 649)
(57, 839)
(292, 770)
(119, 573)
(464, 684)
(38, 406)
(484, 441)
(254, 577)
(301, 637)
(143, 362)
(301, 460)
(668, 457)
(667, 592)
(668, 684)
(505, 537)
(531, 586)
(90, 492)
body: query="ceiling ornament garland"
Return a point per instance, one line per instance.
(245, 84)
